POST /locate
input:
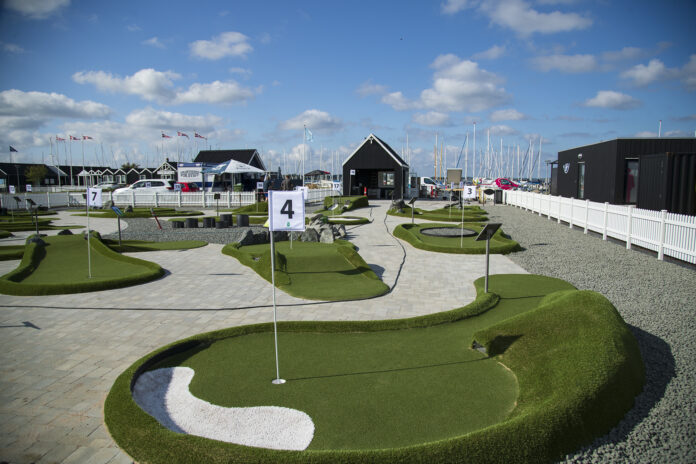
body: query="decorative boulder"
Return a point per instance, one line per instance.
(326, 236)
(340, 230)
(309, 235)
(65, 232)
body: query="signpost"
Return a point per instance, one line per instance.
(486, 234)
(350, 181)
(216, 197)
(286, 212)
(94, 198)
(119, 215)
(28, 187)
(412, 204)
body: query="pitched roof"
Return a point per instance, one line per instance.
(384, 145)
(220, 156)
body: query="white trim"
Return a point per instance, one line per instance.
(403, 164)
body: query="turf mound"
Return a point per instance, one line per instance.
(58, 265)
(454, 242)
(563, 369)
(450, 214)
(314, 271)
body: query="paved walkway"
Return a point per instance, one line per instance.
(62, 353)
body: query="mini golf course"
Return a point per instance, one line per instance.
(58, 265)
(561, 368)
(420, 236)
(451, 214)
(26, 223)
(311, 270)
(139, 213)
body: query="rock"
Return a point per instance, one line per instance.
(340, 230)
(327, 235)
(310, 235)
(129, 209)
(65, 232)
(36, 239)
(316, 218)
(398, 204)
(246, 238)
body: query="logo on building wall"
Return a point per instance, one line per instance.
(566, 168)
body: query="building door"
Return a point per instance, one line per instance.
(581, 180)
(631, 181)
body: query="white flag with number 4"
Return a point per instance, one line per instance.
(286, 210)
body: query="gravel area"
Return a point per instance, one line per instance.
(657, 299)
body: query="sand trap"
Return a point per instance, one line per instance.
(164, 394)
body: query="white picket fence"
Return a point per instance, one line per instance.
(665, 233)
(174, 199)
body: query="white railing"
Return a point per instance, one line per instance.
(665, 233)
(133, 198)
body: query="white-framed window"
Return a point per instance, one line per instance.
(142, 177)
(121, 178)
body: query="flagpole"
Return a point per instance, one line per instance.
(304, 141)
(72, 182)
(84, 181)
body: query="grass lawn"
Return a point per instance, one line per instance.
(134, 246)
(563, 368)
(61, 267)
(315, 271)
(500, 243)
(471, 214)
(9, 252)
(139, 213)
(26, 223)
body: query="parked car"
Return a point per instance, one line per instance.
(148, 186)
(107, 185)
(505, 184)
(186, 186)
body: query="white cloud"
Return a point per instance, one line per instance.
(133, 28)
(626, 53)
(648, 134)
(368, 88)
(241, 71)
(36, 9)
(688, 74)
(519, 16)
(12, 48)
(47, 105)
(566, 63)
(216, 93)
(315, 120)
(149, 84)
(226, 44)
(152, 85)
(455, 6)
(644, 75)
(460, 85)
(166, 120)
(432, 118)
(509, 114)
(503, 130)
(493, 53)
(154, 42)
(613, 100)
(398, 101)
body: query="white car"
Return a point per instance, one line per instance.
(107, 185)
(148, 186)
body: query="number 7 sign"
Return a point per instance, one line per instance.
(94, 197)
(286, 210)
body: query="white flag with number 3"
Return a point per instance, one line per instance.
(94, 197)
(286, 210)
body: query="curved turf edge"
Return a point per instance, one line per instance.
(499, 243)
(11, 284)
(540, 430)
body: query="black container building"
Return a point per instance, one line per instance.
(377, 170)
(654, 173)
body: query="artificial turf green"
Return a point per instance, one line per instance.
(140, 213)
(10, 252)
(60, 266)
(314, 271)
(471, 214)
(5, 234)
(134, 246)
(500, 243)
(26, 223)
(577, 366)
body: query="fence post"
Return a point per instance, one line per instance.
(229, 204)
(606, 217)
(663, 226)
(156, 199)
(540, 197)
(178, 198)
(559, 208)
(548, 210)
(48, 200)
(203, 197)
(587, 213)
(570, 221)
(133, 198)
(628, 227)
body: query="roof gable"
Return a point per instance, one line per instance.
(384, 145)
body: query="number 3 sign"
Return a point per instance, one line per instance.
(286, 210)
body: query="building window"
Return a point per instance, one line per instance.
(386, 179)
(581, 180)
(121, 178)
(631, 181)
(142, 177)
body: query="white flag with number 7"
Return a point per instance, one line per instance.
(286, 210)
(94, 197)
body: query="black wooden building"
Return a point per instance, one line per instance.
(377, 170)
(246, 156)
(651, 173)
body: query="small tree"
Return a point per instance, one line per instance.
(35, 173)
(128, 166)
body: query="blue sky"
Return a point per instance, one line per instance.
(251, 74)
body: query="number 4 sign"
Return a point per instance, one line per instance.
(94, 197)
(286, 210)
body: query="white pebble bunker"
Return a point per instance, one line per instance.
(164, 394)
